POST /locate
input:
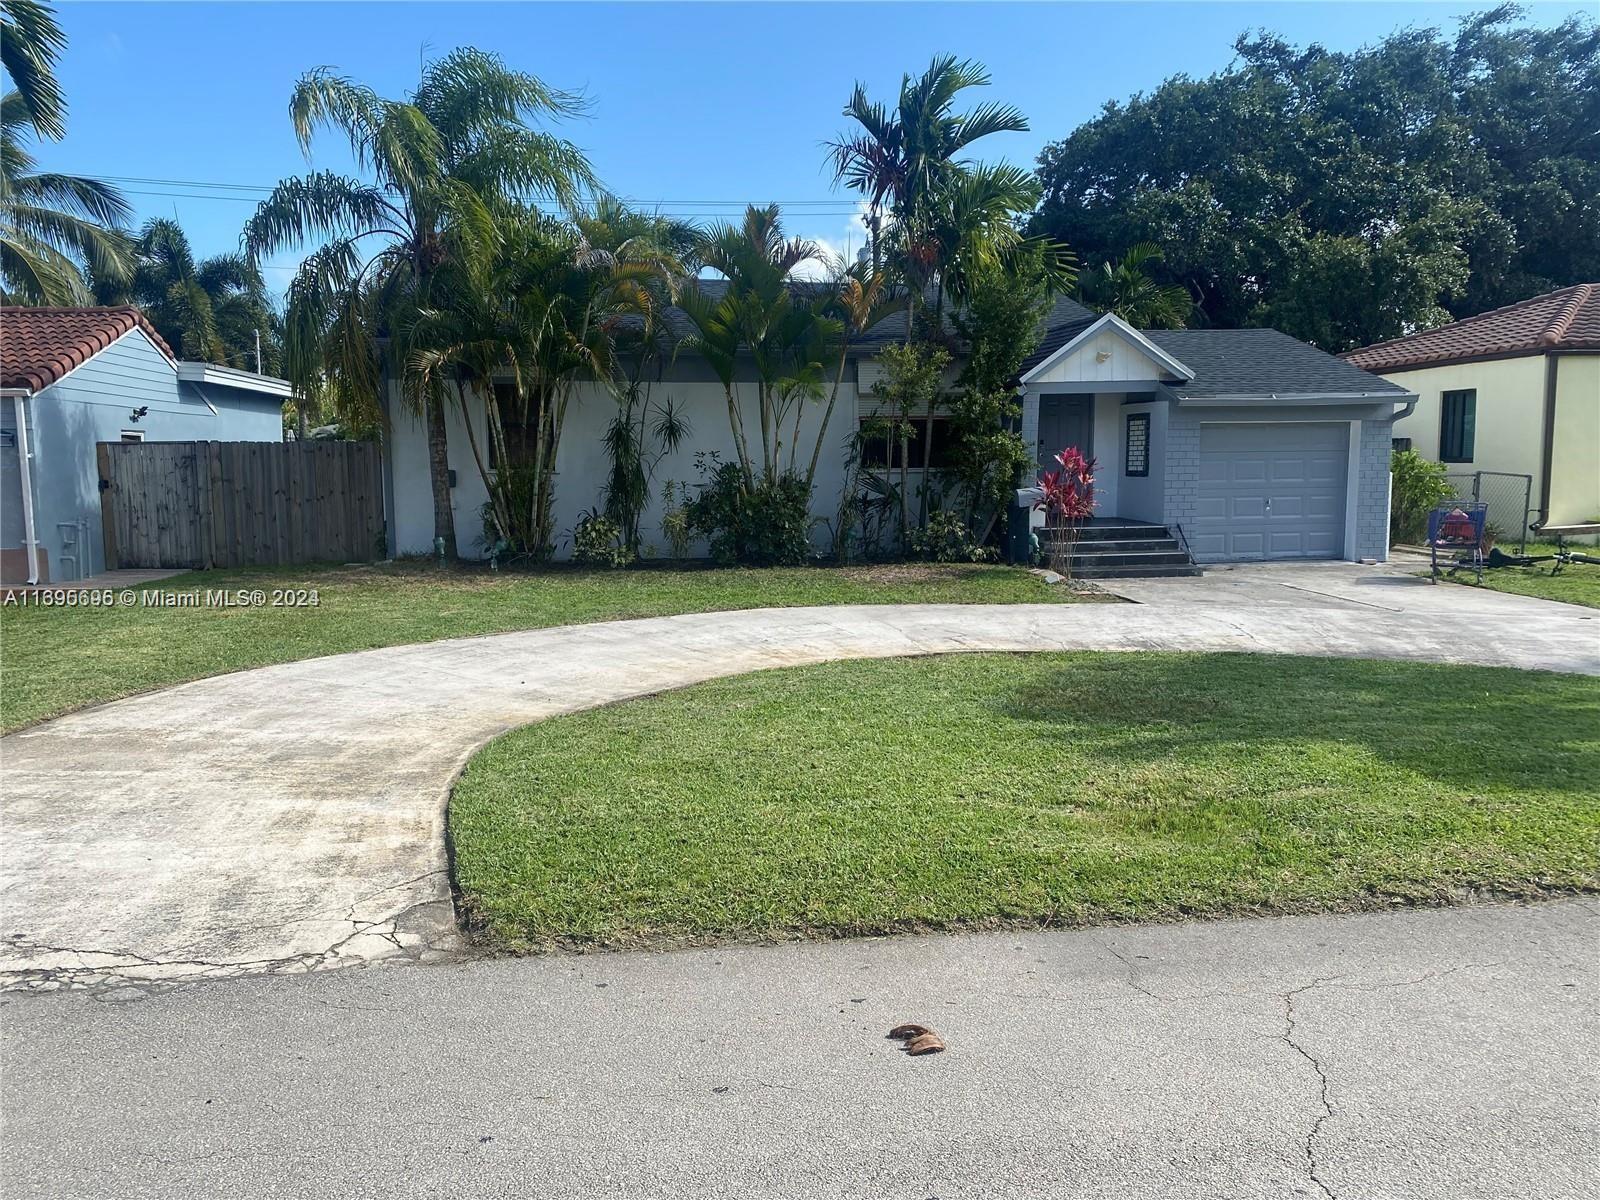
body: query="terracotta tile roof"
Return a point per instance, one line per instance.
(1568, 319)
(40, 345)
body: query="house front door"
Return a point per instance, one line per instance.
(1064, 421)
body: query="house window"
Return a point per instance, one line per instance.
(133, 435)
(1399, 444)
(1458, 418)
(1136, 457)
(879, 450)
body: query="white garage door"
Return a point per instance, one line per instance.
(1271, 491)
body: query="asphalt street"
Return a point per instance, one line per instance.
(1407, 1055)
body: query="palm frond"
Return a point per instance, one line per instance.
(322, 204)
(30, 42)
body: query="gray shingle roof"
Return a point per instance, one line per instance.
(1261, 362)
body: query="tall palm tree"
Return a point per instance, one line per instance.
(211, 310)
(52, 225)
(1126, 287)
(443, 162)
(901, 160)
(760, 315)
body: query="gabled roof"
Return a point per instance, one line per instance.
(1568, 319)
(1116, 325)
(1263, 362)
(40, 345)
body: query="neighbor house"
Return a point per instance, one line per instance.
(1246, 444)
(1515, 390)
(71, 378)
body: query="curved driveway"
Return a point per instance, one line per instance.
(292, 818)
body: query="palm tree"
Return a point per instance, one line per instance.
(52, 225)
(1127, 288)
(642, 343)
(212, 310)
(863, 297)
(760, 314)
(901, 161)
(549, 311)
(30, 42)
(443, 163)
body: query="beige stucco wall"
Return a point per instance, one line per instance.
(1575, 453)
(1510, 424)
(1510, 412)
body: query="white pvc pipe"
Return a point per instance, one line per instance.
(24, 470)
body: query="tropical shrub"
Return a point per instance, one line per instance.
(1419, 487)
(675, 526)
(946, 538)
(765, 524)
(1068, 501)
(597, 542)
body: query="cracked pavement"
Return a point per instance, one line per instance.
(1444, 1054)
(291, 819)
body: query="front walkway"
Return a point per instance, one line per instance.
(292, 818)
(1439, 1055)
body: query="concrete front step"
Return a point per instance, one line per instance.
(1112, 533)
(1122, 551)
(1187, 571)
(1136, 558)
(1142, 546)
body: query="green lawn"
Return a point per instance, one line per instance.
(970, 791)
(53, 660)
(1578, 583)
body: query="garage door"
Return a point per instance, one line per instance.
(1271, 491)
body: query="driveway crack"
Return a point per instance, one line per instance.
(1323, 1095)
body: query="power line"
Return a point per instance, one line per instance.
(848, 208)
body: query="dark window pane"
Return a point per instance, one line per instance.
(880, 443)
(1458, 413)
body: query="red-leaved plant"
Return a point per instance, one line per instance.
(1067, 497)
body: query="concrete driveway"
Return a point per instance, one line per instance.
(1443, 1055)
(291, 818)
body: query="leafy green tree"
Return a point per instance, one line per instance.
(1127, 288)
(52, 226)
(1351, 197)
(210, 310)
(1000, 325)
(440, 164)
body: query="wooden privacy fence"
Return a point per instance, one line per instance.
(240, 504)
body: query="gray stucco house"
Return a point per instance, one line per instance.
(1243, 444)
(1247, 444)
(73, 377)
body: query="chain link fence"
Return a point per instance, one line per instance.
(1509, 499)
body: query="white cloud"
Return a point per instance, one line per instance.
(841, 246)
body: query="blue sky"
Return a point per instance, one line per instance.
(722, 103)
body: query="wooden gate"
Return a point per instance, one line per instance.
(239, 504)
